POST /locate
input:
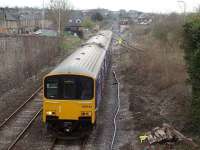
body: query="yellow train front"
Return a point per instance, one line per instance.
(73, 90)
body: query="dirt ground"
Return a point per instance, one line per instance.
(152, 101)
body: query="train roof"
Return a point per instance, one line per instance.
(86, 60)
(102, 39)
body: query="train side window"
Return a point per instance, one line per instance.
(98, 91)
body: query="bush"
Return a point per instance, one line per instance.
(88, 23)
(168, 29)
(192, 56)
(69, 42)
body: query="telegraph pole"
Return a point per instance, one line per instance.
(43, 13)
(184, 9)
(59, 19)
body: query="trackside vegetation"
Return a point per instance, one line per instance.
(192, 56)
(70, 42)
(88, 23)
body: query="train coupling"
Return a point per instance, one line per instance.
(67, 127)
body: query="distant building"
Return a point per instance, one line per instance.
(74, 24)
(144, 19)
(76, 18)
(124, 20)
(21, 21)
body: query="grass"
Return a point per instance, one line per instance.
(161, 73)
(163, 60)
(70, 42)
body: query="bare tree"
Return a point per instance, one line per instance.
(59, 11)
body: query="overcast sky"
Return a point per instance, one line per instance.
(141, 5)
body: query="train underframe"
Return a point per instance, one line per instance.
(69, 129)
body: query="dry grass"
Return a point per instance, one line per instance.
(163, 61)
(163, 67)
(157, 79)
(22, 56)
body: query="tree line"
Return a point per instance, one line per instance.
(191, 45)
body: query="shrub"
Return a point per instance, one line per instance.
(69, 42)
(168, 29)
(88, 23)
(192, 56)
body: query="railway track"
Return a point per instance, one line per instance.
(14, 127)
(86, 143)
(126, 44)
(53, 144)
(74, 144)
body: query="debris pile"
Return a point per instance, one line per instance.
(166, 135)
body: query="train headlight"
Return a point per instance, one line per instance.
(89, 113)
(86, 113)
(50, 113)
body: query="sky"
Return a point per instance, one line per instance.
(159, 6)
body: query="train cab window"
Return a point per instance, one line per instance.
(86, 89)
(52, 88)
(69, 87)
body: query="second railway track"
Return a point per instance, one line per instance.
(14, 127)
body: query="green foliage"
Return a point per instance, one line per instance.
(88, 23)
(192, 57)
(69, 42)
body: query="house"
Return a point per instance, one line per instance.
(74, 24)
(144, 19)
(21, 21)
(8, 20)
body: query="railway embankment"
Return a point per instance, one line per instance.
(22, 56)
(25, 59)
(155, 83)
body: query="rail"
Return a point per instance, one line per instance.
(20, 107)
(6, 123)
(25, 129)
(126, 44)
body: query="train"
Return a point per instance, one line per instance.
(73, 90)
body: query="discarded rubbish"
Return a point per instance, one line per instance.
(166, 135)
(143, 138)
